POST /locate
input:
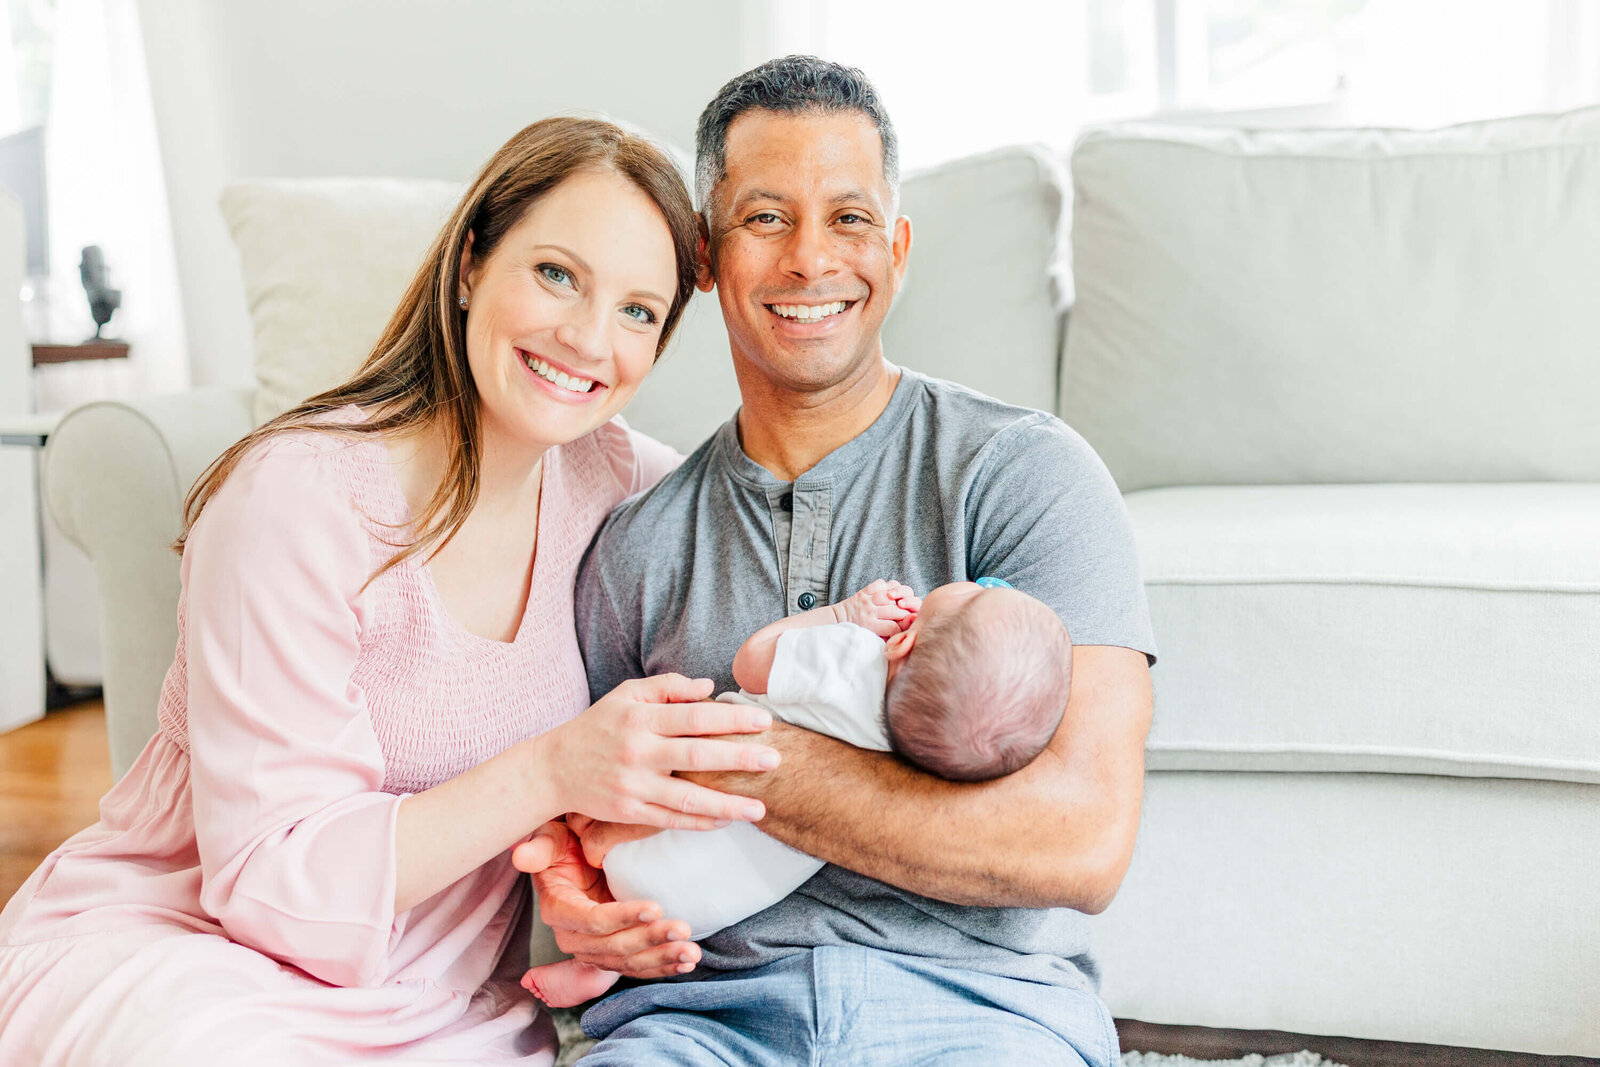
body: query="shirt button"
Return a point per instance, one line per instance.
(807, 601)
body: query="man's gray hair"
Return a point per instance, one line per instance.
(793, 83)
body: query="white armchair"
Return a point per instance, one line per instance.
(21, 618)
(116, 474)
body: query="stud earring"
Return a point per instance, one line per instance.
(463, 302)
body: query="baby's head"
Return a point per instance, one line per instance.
(978, 683)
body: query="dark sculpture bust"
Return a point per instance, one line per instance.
(103, 300)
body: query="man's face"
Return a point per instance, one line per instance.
(804, 248)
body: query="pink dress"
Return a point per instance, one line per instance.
(235, 902)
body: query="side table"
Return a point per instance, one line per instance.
(94, 348)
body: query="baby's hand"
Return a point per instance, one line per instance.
(884, 607)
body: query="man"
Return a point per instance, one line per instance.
(949, 922)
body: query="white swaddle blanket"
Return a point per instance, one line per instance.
(825, 678)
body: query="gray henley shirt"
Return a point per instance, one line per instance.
(946, 485)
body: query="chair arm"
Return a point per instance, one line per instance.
(115, 476)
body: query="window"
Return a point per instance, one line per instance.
(961, 78)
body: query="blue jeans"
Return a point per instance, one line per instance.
(852, 1007)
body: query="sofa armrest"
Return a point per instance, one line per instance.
(115, 477)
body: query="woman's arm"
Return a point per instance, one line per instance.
(617, 757)
(303, 855)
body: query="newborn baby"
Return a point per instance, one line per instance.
(968, 683)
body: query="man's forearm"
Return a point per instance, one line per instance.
(1058, 833)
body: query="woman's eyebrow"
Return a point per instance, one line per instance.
(649, 294)
(577, 261)
(570, 254)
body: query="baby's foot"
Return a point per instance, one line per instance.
(568, 983)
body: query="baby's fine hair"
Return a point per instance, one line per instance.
(982, 691)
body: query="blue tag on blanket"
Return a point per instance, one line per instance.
(993, 583)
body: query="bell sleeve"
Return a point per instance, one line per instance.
(296, 837)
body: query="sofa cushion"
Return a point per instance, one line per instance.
(1431, 629)
(326, 260)
(1338, 306)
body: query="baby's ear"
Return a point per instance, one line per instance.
(899, 646)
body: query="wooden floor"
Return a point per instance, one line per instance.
(52, 775)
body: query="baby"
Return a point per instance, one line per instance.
(968, 683)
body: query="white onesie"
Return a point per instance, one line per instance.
(825, 678)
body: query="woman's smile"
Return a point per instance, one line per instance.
(560, 381)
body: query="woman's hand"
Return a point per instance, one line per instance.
(630, 938)
(615, 762)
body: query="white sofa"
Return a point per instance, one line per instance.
(1346, 380)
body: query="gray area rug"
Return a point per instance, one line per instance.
(574, 1045)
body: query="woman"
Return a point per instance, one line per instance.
(377, 688)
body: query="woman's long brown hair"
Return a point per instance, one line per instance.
(417, 377)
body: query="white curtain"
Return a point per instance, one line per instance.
(105, 188)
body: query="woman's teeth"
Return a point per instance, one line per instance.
(561, 378)
(806, 313)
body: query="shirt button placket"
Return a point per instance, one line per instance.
(808, 547)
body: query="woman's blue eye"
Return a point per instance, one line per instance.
(640, 313)
(557, 274)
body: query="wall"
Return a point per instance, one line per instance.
(410, 88)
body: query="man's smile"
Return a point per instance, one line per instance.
(809, 312)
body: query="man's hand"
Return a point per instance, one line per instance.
(628, 937)
(884, 607)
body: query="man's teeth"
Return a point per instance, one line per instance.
(561, 378)
(807, 313)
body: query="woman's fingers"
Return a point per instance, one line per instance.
(674, 798)
(599, 838)
(709, 717)
(542, 849)
(619, 946)
(707, 809)
(533, 856)
(674, 957)
(563, 908)
(667, 689)
(701, 754)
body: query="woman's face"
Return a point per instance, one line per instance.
(564, 315)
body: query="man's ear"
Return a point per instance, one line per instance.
(464, 270)
(702, 267)
(898, 647)
(901, 248)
